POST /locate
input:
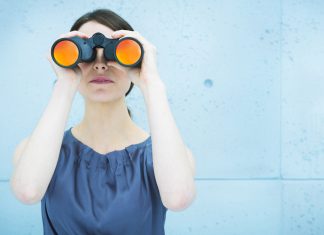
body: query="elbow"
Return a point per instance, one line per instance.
(180, 202)
(26, 195)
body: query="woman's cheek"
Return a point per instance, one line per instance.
(82, 89)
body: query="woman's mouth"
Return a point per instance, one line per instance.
(101, 80)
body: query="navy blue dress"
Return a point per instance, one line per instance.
(109, 194)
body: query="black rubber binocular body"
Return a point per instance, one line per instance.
(68, 52)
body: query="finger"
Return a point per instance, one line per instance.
(126, 33)
(73, 34)
(119, 33)
(78, 33)
(48, 54)
(77, 70)
(123, 33)
(49, 57)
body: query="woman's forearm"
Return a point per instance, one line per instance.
(172, 168)
(37, 162)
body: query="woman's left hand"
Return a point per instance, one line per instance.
(148, 72)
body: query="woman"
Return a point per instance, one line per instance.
(106, 175)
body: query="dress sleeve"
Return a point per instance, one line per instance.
(63, 152)
(151, 175)
(150, 168)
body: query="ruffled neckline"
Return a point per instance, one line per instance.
(128, 148)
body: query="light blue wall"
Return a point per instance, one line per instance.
(245, 82)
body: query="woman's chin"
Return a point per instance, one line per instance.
(103, 97)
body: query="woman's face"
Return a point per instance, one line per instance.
(103, 92)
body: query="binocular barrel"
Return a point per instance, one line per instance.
(68, 52)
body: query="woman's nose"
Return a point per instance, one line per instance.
(100, 62)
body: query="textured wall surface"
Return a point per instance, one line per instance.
(245, 83)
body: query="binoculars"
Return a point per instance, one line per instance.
(68, 52)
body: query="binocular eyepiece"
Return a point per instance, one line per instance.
(68, 52)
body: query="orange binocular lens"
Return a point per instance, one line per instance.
(66, 53)
(128, 52)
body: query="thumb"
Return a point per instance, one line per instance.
(78, 72)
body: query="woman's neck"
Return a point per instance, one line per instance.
(108, 124)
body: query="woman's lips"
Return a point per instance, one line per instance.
(101, 80)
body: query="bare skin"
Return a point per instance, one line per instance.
(106, 124)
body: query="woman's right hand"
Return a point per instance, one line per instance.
(72, 75)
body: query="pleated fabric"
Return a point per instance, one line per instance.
(109, 194)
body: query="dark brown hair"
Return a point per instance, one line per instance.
(108, 18)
